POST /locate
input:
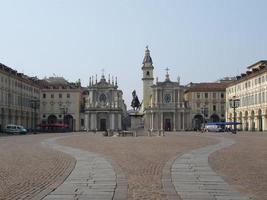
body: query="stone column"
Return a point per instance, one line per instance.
(111, 121)
(86, 121)
(174, 121)
(161, 121)
(93, 122)
(119, 121)
(152, 121)
(263, 123)
(182, 118)
(256, 120)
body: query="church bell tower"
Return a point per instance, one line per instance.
(147, 79)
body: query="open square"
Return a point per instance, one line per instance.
(170, 167)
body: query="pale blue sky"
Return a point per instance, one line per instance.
(199, 40)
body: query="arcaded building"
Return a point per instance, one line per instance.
(19, 96)
(60, 103)
(250, 89)
(207, 102)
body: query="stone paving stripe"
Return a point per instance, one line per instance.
(194, 179)
(94, 177)
(166, 180)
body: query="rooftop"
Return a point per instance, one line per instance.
(204, 87)
(13, 72)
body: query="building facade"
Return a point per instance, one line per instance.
(164, 107)
(167, 110)
(250, 89)
(207, 102)
(104, 105)
(18, 93)
(60, 103)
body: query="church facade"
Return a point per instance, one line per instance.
(104, 105)
(163, 106)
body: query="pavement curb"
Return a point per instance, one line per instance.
(166, 180)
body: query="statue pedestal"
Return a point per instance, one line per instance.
(136, 120)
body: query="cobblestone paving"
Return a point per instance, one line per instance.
(244, 164)
(92, 178)
(29, 171)
(194, 179)
(142, 159)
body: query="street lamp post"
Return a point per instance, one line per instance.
(234, 103)
(203, 112)
(34, 104)
(64, 110)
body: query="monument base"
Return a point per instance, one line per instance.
(136, 120)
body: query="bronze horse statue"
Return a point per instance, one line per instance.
(135, 102)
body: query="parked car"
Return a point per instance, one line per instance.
(15, 129)
(214, 128)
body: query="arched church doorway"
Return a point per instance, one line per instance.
(167, 126)
(103, 124)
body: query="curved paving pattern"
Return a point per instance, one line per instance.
(194, 179)
(92, 178)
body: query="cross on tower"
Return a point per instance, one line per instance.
(103, 73)
(167, 70)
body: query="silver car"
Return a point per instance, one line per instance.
(15, 129)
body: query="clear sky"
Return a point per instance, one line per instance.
(199, 40)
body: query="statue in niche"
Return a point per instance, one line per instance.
(135, 102)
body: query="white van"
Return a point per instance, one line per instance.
(14, 129)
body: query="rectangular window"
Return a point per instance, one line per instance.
(214, 107)
(68, 95)
(256, 100)
(198, 95)
(206, 95)
(44, 96)
(214, 95)
(222, 95)
(52, 96)
(59, 95)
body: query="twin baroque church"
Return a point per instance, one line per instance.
(163, 105)
(104, 105)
